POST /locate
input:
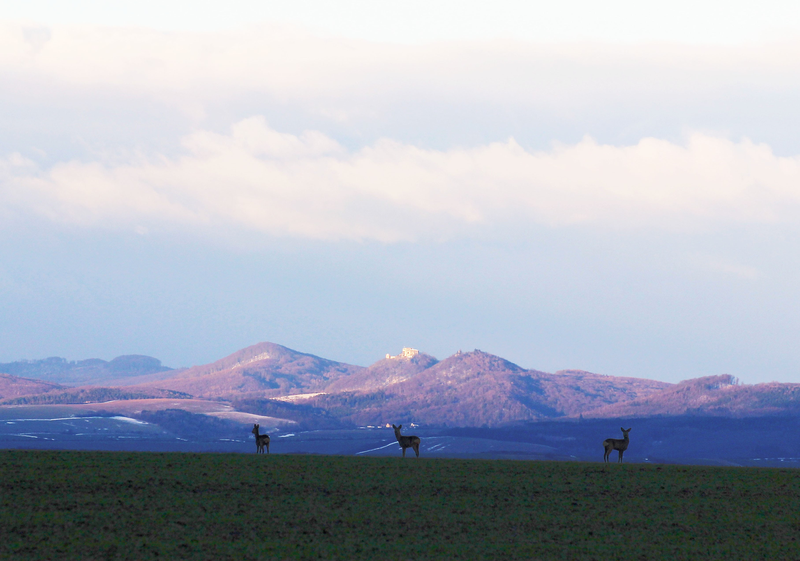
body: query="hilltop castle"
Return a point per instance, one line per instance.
(408, 352)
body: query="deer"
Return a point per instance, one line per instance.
(261, 441)
(611, 444)
(406, 441)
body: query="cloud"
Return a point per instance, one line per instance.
(258, 180)
(374, 174)
(339, 76)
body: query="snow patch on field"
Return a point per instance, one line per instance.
(241, 417)
(129, 420)
(297, 397)
(380, 448)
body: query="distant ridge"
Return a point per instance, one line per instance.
(710, 396)
(472, 389)
(90, 371)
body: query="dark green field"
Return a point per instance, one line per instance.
(94, 505)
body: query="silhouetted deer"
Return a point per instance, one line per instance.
(406, 441)
(261, 441)
(611, 444)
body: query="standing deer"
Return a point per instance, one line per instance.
(406, 441)
(611, 444)
(261, 441)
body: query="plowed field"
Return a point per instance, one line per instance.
(106, 505)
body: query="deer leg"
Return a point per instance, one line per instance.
(620, 456)
(404, 452)
(416, 449)
(267, 447)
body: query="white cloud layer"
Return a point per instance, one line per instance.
(706, 21)
(341, 75)
(256, 179)
(373, 173)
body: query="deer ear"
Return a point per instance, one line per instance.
(629, 430)
(400, 427)
(620, 428)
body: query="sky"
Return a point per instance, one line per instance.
(605, 186)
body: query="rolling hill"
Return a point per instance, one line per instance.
(12, 387)
(259, 371)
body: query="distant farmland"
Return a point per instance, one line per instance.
(102, 505)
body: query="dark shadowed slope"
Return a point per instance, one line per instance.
(92, 395)
(262, 370)
(711, 395)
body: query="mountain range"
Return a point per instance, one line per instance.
(466, 389)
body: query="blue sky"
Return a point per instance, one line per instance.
(601, 186)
